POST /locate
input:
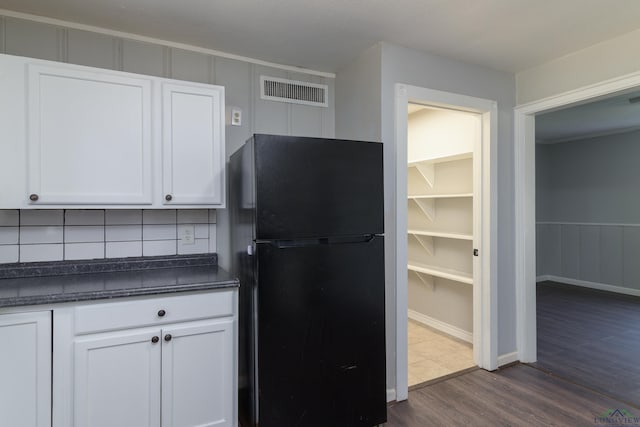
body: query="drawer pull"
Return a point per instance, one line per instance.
(168, 197)
(161, 313)
(167, 337)
(155, 340)
(34, 197)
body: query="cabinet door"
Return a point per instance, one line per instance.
(193, 144)
(89, 137)
(25, 369)
(117, 379)
(198, 374)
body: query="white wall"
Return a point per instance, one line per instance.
(588, 210)
(607, 60)
(589, 180)
(437, 133)
(358, 95)
(35, 39)
(402, 65)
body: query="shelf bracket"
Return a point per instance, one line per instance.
(427, 170)
(428, 206)
(426, 242)
(427, 280)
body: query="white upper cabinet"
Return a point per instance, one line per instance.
(83, 137)
(89, 137)
(192, 152)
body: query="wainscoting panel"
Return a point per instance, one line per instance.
(570, 246)
(589, 253)
(28, 38)
(607, 254)
(631, 258)
(548, 244)
(611, 255)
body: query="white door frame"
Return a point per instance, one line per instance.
(485, 325)
(525, 187)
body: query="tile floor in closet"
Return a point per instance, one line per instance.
(433, 354)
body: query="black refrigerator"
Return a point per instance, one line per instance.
(308, 247)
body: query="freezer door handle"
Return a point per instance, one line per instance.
(297, 243)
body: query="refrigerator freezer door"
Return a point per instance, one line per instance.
(321, 335)
(312, 187)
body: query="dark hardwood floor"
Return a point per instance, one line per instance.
(588, 364)
(519, 395)
(590, 337)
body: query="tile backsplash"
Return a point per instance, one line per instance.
(73, 234)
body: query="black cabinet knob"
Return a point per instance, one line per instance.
(155, 339)
(168, 337)
(161, 313)
(168, 197)
(33, 197)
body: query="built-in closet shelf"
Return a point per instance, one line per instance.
(433, 160)
(428, 170)
(444, 273)
(440, 196)
(460, 236)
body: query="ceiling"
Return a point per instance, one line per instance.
(611, 115)
(324, 35)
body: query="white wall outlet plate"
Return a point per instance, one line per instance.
(236, 117)
(187, 234)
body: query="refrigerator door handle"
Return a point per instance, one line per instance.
(297, 243)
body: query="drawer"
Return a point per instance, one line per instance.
(125, 314)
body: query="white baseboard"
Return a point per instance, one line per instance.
(441, 326)
(586, 284)
(505, 359)
(391, 394)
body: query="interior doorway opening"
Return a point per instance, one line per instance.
(461, 223)
(442, 232)
(525, 185)
(586, 233)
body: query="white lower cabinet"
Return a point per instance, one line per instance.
(180, 374)
(197, 375)
(117, 380)
(151, 362)
(25, 369)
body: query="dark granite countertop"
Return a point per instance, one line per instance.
(59, 282)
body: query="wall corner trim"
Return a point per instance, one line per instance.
(505, 359)
(391, 395)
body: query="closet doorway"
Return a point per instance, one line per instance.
(445, 287)
(441, 220)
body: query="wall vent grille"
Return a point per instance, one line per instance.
(293, 91)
